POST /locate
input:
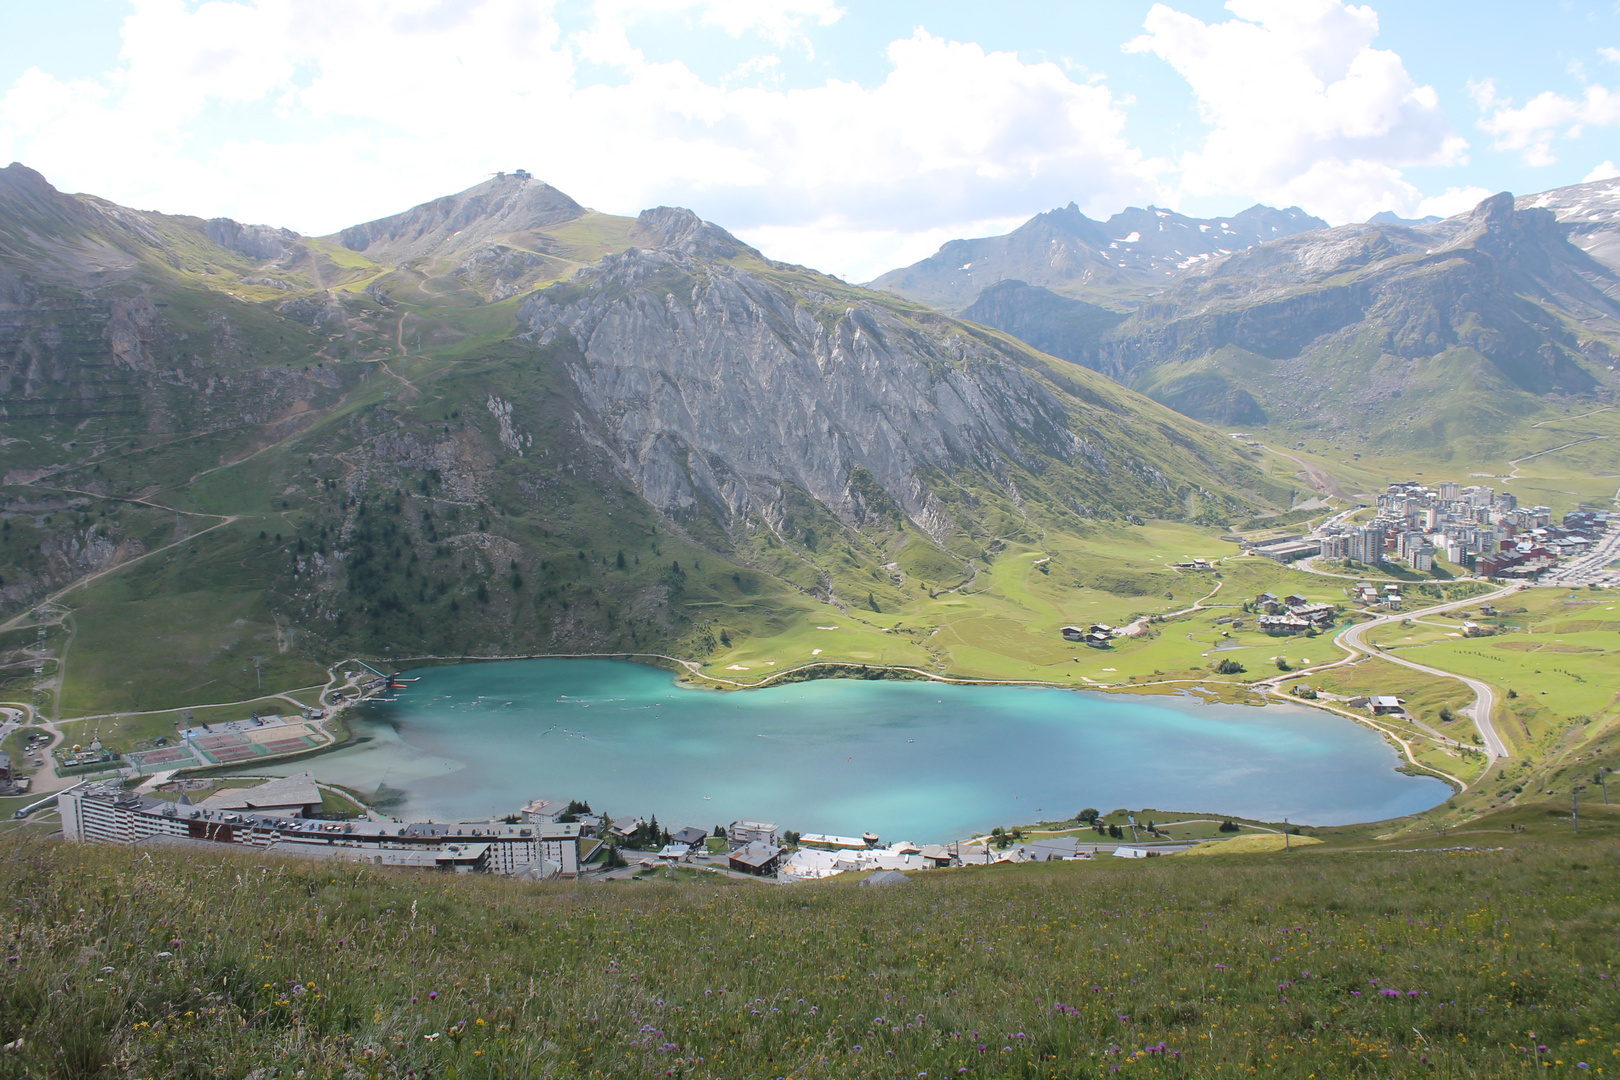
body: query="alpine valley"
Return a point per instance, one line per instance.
(503, 424)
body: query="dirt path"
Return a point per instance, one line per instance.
(1514, 475)
(1139, 624)
(1567, 419)
(412, 387)
(17, 620)
(1318, 477)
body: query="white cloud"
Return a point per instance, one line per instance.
(1605, 171)
(334, 114)
(1531, 129)
(1302, 108)
(1611, 55)
(781, 22)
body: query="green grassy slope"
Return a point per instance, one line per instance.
(342, 418)
(1324, 962)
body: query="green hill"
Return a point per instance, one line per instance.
(1491, 959)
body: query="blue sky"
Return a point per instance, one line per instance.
(849, 136)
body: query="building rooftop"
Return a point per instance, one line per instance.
(289, 791)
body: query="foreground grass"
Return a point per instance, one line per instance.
(127, 962)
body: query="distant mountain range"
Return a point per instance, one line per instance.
(1420, 332)
(1133, 252)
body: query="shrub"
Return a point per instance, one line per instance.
(1229, 667)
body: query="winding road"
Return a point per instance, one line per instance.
(1351, 639)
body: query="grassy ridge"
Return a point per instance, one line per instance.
(1448, 964)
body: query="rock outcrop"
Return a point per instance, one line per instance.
(264, 242)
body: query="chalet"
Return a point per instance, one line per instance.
(1294, 600)
(1277, 625)
(674, 853)
(624, 826)
(1097, 635)
(692, 837)
(1385, 705)
(756, 858)
(1316, 614)
(1474, 629)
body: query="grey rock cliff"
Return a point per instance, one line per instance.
(1592, 214)
(255, 241)
(708, 382)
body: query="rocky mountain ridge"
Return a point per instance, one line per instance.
(1591, 211)
(720, 385)
(1119, 260)
(1301, 326)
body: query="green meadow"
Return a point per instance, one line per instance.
(1552, 661)
(1484, 955)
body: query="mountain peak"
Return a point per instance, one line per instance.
(25, 195)
(505, 204)
(675, 228)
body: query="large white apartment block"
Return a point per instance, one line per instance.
(536, 850)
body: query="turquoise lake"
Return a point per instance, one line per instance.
(909, 760)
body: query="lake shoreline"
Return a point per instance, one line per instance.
(847, 754)
(687, 674)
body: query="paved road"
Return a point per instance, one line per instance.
(1484, 697)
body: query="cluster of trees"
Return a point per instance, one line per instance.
(575, 808)
(1089, 816)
